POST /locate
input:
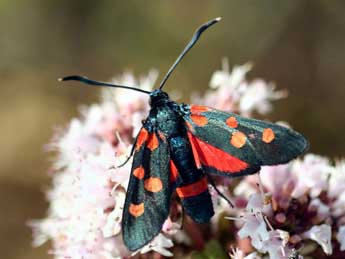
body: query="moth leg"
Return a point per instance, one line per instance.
(182, 218)
(218, 191)
(129, 157)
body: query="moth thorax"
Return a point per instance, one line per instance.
(158, 98)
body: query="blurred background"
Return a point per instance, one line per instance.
(299, 45)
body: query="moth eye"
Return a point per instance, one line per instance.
(238, 139)
(136, 210)
(268, 135)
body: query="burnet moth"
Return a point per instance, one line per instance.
(179, 146)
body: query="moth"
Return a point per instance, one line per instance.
(180, 146)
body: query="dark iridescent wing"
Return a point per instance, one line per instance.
(149, 190)
(228, 144)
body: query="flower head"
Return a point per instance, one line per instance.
(287, 207)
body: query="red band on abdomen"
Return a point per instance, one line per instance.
(192, 189)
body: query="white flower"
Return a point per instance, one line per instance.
(277, 178)
(130, 101)
(160, 244)
(254, 225)
(225, 78)
(341, 237)
(323, 210)
(322, 235)
(112, 226)
(86, 199)
(232, 92)
(257, 95)
(239, 254)
(312, 174)
(337, 180)
(338, 206)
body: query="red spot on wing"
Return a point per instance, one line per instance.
(208, 155)
(199, 120)
(268, 135)
(173, 172)
(153, 184)
(232, 122)
(238, 139)
(139, 172)
(142, 137)
(192, 189)
(199, 108)
(152, 142)
(136, 210)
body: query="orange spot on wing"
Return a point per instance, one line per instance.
(153, 184)
(268, 135)
(199, 120)
(238, 139)
(232, 122)
(152, 142)
(136, 210)
(142, 137)
(139, 172)
(173, 172)
(192, 189)
(199, 108)
(208, 155)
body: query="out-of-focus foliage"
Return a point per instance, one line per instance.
(300, 45)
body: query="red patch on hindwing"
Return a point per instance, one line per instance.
(173, 172)
(208, 155)
(192, 189)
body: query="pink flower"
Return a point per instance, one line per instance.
(322, 235)
(341, 237)
(234, 93)
(286, 207)
(160, 244)
(312, 174)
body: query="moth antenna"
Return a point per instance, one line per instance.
(88, 81)
(191, 43)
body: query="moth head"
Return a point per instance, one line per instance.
(158, 97)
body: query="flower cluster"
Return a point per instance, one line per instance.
(303, 201)
(289, 211)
